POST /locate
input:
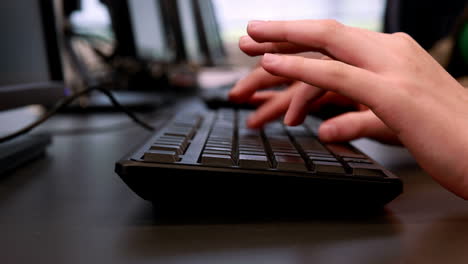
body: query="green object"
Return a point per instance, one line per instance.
(464, 43)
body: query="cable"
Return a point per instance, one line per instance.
(66, 102)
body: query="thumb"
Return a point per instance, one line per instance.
(354, 125)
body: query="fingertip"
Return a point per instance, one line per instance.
(254, 25)
(294, 122)
(294, 118)
(252, 122)
(244, 42)
(236, 94)
(232, 96)
(248, 46)
(328, 132)
(244, 39)
(270, 60)
(289, 119)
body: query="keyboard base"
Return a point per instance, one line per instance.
(223, 191)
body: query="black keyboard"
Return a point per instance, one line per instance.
(210, 159)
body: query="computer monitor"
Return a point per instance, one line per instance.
(149, 31)
(203, 43)
(191, 33)
(211, 41)
(142, 29)
(30, 64)
(168, 31)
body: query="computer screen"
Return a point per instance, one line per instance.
(29, 53)
(190, 31)
(23, 46)
(211, 41)
(149, 31)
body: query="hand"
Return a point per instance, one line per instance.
(274, 104)
(390, 74)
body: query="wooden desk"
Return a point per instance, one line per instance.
(70, 207)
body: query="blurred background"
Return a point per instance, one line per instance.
(233, 17)
(149, 54)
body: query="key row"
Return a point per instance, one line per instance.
(174, 140)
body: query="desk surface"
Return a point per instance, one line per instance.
(70, 207)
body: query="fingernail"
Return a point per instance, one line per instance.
(328, 132)
(288, 119)
(243, 39)
(271, 59)
(254, 23)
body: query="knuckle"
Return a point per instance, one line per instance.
(330, 25)
(326, 29)
(336, 70)
(403, 38)
(402, 35)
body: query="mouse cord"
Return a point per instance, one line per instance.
(69, 100)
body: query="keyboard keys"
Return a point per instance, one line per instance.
(294, 163)
(168, 147)
(286, 156)
(216, 160)
(356, 160)
(161, 156)
(174, 139)
(312, 146)
(253, 162)
(180, 132)
(322, 158)
(366, 170)
(344, 152)
(182, 142)
(251, 148)
(328, 167)
(218, 149)
(229, 143)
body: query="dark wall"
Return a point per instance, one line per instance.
(427, 21)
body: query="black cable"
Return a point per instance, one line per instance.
(66, 102)
(125, 110)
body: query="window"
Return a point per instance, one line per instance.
(234, 15)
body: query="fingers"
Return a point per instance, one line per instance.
(354, 125)
(327, 35)
(263, 96)
(333, 99)
(299, 106)
(258, 79)
(355, 83)
(272, 109)
(253, 48)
